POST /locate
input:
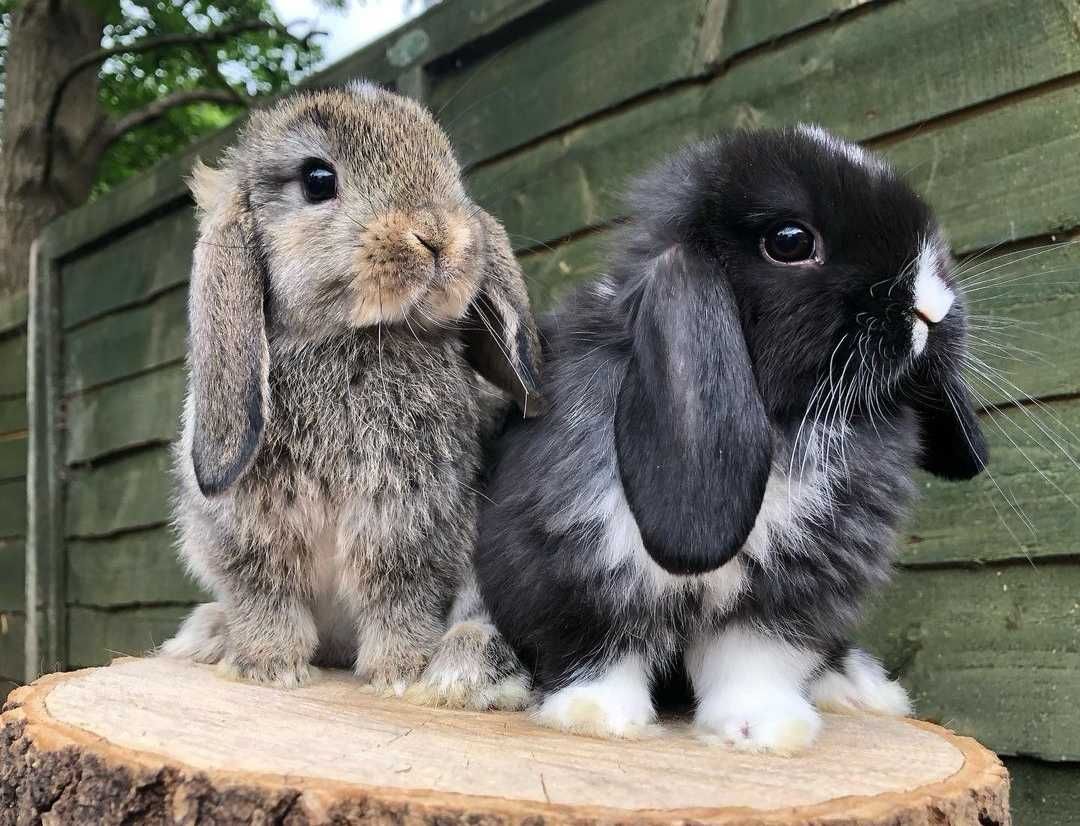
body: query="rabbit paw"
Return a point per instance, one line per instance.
(618, 704)
(778, 724)
(860, 685)
(390, 676)
(279, 672)
(473, 668)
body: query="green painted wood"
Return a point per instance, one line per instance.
(13, 364)
(1026, 300)
(96, 636)
(12, 575)
(136, 411)
(552, 274)
(993, 652)
(151, 258)
(1044, 794)
(975, 522)
(436, 34)
(12, 651)
(12, 508)
(574, 179)
(129, 492)
(750, 23)
(45, 619)
(12, 415)
(138, 567)
(559, 73)
(13, 458)
(1008, 173)
(110, 348)
(13, 311)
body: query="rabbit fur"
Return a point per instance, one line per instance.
(345, 294)
(729, 446)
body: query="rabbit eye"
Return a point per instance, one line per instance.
(318, 181)
(789, 243)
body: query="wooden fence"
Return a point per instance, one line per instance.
(552, 105)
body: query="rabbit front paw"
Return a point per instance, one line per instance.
(279, 672)
(473, 668)
(616, 704)
(782, 724)
(390, 676)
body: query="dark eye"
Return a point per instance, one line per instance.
(789, 243)
(318, 181)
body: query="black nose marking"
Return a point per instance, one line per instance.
(428, 244)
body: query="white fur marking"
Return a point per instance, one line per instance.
(920, 332)
(750, 691)
(852, 151)
(862, 686)
(615, 704)
(621, 543)
(933, 298)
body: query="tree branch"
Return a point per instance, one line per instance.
(149, 44)
(152, 111)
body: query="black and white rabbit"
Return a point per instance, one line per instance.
(345, 290)
(736, 411)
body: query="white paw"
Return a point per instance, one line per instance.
(863, 686)
(781, 724)
(595, 709)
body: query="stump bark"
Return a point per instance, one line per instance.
(157, 741)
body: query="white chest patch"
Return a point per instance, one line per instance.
(785, 512)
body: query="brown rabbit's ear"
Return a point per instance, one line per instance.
(501, 340)
(229, 356)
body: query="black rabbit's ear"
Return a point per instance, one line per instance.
(692, 435)
(953, 445)
(229, 356)
(501, 340)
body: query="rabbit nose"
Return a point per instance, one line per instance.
(933, 297)
(428, 242)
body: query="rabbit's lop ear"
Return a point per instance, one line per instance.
(953, 445)
(501, 340)
(692, 435)
(229, 357)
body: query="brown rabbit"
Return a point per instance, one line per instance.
(344, 294)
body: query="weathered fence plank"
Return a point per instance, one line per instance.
(136, 411)
(148, 336)
(1035, 469)
(12, 650)
(142, 263)
(574, 66)
(12, 575)
(13, 365)
(992, 650)
(12, 414)
(129, 492)
(96, 636)
(138, 567)
(12, 457)
(12, 508)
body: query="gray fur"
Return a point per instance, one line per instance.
(331, 442)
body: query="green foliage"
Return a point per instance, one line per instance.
(252, 63)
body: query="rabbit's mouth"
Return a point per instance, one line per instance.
(420, 261)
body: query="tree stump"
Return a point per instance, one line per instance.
(158, 741)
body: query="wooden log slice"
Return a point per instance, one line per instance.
(158, 741)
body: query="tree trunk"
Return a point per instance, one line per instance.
(161, 741)
(45, 38)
